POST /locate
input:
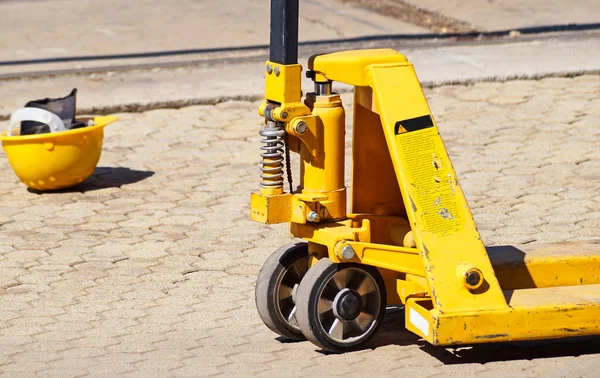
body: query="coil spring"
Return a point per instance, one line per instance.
(272, 156)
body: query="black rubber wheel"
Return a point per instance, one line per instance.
(276, 288)
(340, 306)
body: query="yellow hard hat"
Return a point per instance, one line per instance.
(58, 159)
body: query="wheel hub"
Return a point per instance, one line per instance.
(347, 304)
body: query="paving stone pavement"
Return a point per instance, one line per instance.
(148, 268)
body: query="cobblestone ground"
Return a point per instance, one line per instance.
(148, 268)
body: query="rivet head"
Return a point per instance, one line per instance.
(301, 127)
(277, 72)
(348, 252)
(269, 69)
(284, 115)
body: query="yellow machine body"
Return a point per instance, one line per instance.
(56, 160)
(408, 215)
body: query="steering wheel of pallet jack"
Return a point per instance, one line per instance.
(276, 288)
(340, 306)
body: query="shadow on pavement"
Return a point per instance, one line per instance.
(284, 340)
(524, 350)
(392, 331)
(105, 177)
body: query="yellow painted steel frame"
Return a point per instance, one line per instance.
(410, 218)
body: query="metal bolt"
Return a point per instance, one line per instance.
(269, 69)
(301, 127)
(277, 71)
(312, 216)
(473, 278)
(348, 252)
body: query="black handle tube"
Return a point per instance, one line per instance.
(284, 31)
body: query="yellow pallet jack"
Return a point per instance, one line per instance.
(409, 238)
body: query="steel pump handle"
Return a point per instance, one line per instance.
(284, 31)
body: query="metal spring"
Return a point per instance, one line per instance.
(272, 156)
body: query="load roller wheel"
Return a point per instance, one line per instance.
(340, 306)
(276, 287)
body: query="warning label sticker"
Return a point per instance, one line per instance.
(413, 124)
(432, 179)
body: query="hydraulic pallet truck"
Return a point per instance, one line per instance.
(409, 238)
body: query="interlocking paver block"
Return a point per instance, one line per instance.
(148, 268)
